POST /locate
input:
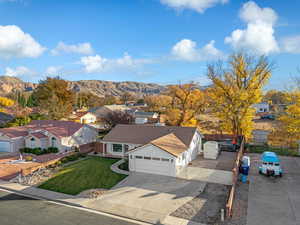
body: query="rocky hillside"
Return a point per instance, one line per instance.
(97, 87)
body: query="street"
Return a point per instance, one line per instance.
(19, 210)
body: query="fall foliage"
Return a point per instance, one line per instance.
(236, 87)
(54, 96)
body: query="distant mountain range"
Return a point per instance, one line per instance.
(97, 87)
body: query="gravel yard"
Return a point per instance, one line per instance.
(206, 207)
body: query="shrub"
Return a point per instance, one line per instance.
(277, 150)
(124, 166)
(73, 157)
(39, 151)
(28, 158)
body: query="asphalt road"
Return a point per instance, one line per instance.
(19, 210)
(274, 201)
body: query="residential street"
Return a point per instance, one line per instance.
(19, 210)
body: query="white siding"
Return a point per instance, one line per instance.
(140, 120)
(157, 161)
(88, 118)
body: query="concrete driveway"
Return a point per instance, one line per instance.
(147, 197)
(274, 201)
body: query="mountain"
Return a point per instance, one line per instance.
(97, 87)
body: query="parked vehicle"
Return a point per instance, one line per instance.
(227, 145)
(268, 117)
(270, 164)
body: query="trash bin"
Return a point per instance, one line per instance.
(244, 178)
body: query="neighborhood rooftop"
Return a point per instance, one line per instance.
(170, 143)
(56, 127)
(144, 134)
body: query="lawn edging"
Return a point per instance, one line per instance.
(115, 168)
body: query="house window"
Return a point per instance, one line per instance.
(117, 148)
(32, 143)
(158, 159)
(53, 142)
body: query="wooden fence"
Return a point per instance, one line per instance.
(235, 172)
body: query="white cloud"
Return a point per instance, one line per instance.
(93, 64)
(80, 48)
(258, 37)
(15, 43)
(197, 5)
(291, 44)
(53, 70)
(18, 71)
(187, 50)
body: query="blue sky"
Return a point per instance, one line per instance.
(164, 41)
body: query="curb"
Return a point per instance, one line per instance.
(91, 210)
(40, 197)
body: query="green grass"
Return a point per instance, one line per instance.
(279, 151)
(93, 172)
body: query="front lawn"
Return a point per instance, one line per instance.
(277, 150)
(93, 172)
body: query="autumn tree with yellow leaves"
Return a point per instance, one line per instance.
(237, 85)
(290, 120)
(5, 102)
(187, 101)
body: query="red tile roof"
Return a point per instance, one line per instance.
(39, 135)
(56, 127)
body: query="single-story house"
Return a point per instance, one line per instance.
(102, 111)
(163, 150)
(63, 135)
(84, 117)
(141, 117)
(262, 107)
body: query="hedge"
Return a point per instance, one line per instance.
(39, 151)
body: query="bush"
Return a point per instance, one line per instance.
(28, 158)
(277, 150)
(124, 166)
(39, 151)
(73, 157)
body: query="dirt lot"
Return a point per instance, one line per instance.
(206, 207)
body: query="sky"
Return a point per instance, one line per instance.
(161, 41)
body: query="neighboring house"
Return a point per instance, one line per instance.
(63, 135)
(262, 107)
(163, 150)
(102, 111)
(5, 118)
(83, 117)
(141, 117)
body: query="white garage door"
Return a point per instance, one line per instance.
(161, 166)
(5, 146)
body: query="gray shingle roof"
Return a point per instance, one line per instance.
(143, 134)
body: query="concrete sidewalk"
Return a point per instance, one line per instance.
(75, 201)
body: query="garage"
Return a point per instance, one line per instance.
(5, 146)
(154, 165)
(151, 159)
